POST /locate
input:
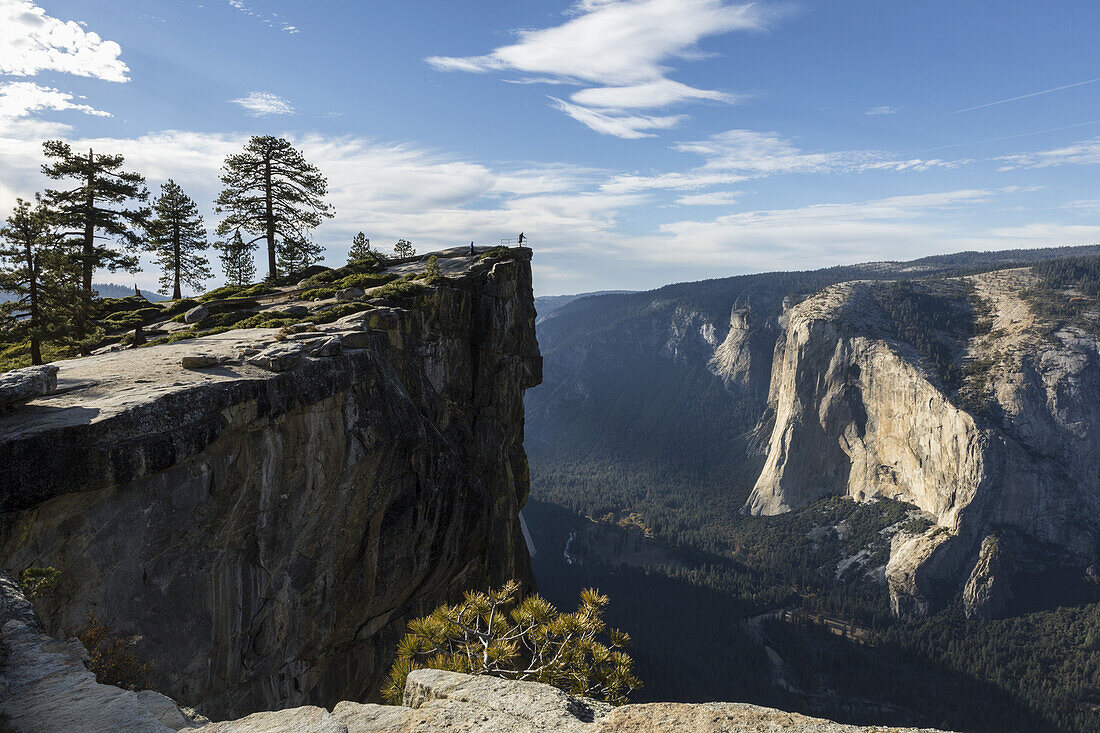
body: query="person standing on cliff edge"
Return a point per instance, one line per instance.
(471, 249)
(521, 239)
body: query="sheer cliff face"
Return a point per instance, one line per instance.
(268, 534)
(1013, 488)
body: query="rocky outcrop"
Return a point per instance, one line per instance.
(857, 414)
(45, 686)
(744, 357)
(267, 522)
(21, 385)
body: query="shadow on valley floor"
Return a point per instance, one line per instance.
(693, 643)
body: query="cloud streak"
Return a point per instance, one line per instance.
(1082, 152)
(738, 155)
(621, 50)
(260, 104)
(1026, 96)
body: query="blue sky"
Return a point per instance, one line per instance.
(636, 142)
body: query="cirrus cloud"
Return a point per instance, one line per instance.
(622, 50)
(259, 104)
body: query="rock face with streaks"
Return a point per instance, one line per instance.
(266, 521)
(1010, 450)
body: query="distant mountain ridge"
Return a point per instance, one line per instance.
(107, 290)
(547, 304)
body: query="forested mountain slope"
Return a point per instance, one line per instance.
(668, 410)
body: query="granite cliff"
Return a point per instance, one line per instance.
(997, 445)
(264, 510)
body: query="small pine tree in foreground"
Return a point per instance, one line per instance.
(238, 262)
(496, 634)
(360, 249)
(41, 279)
(432, 273)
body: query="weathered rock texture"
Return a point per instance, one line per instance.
(45, 686)
(21, 385)
(856, 414)
(267, 534)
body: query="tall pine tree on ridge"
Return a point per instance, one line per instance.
(272, 192)
(97, 207)
(177, 238)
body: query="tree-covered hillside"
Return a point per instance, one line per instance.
(636, 424)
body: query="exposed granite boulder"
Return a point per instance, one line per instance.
(279, 357)
(268, 534)
(200, 361)
(21, 385)
(350, 294)
(446, 702)
(196, 314)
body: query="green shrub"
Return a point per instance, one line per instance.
(319, 294)
(432, 274)
(37, 580)
(365, 280)
(222, 319)
(129, 320)
(106, 306)
(399, 289)
(496, 634)
(498, 253)
(226, 291)
(180, 306)
(255, 290)
(337, 312)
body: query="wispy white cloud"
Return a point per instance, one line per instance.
(271, 21)
(32, 41)
(258, 104)
(20, 99)
(624, 126)
(884, 109)
(737, 155)
(1082, 152)
(713, 198)
(817, 235)
(388, 190)
(622, 49)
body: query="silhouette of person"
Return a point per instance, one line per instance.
(521, 239)
(471, 249)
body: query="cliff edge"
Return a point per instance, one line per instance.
(263, 510)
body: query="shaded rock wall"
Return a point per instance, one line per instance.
(267, 535)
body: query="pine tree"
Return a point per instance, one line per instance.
(34, 268)
(177, 238)
(403, 249)
(360, 249)
(100, 206)
(295, 256)
(238, 264)
(499, 634)
(270, 191)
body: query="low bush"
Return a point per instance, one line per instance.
(112, 658)
(497, 634)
